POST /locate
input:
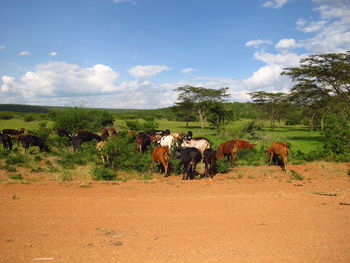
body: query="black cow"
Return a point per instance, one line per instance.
(209, 159)
(61, 132)
(84, 136)
(6, 141)
(31, 140)
(189, 157)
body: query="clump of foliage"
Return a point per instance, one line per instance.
(16, 159)
(69, 160)
(16, 176)
(222, 166)
(296, 176)
(5, 116)
(103, 174)
(76, 118)
(337, 133)
(29, 117)
(148, 124)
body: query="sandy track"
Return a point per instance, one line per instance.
(262, 217)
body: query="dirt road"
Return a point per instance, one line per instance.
(254, 214)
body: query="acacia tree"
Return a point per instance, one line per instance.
(272, 103)
(326, 73)
(200, 99)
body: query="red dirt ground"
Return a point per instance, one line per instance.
(253, 214)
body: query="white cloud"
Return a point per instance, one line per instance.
(147, 71)
(275, 3)
(53, 54)
(257, 43)
(187, 70)
(332, 29)
(287, 44)
(130, 1)
(2, 47)
(25, 53)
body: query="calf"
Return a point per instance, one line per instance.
(31, 140)
(281, 149)
(6, 141)
(161, 155)
(200, 143)
(190, 157)
(209, 159)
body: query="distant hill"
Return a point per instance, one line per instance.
(24, 108)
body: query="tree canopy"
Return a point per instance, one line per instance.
(199, 99)
(326, 74)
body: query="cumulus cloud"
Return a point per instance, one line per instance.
(257, 43)
(2, 47)
(147, 71)
(53, 54)
(25, 53)
(287, 44)
(275, 3)
(187, 70)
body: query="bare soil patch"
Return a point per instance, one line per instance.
(253, 214)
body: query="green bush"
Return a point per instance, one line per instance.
(6, 116)
(337, 134)
(18, 159)
(103, 174)
(69, 160)
(16, 176)
(223, 166)
(29, 117)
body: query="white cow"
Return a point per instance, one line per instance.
(200, 143)
(167, 141)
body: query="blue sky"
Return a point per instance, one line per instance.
(134, 53)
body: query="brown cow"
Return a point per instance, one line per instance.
(142, 142)
(278, 148)
(161, 155)
(230, 148)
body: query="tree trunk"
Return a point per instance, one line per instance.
(311, 121)
(201, 118)
(322, 121)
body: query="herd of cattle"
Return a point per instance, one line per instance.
(190, 150)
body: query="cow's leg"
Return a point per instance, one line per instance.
(184, 172)
(285, 157)
(166, 169)
(271, 157)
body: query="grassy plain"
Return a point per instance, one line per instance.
(300, 138)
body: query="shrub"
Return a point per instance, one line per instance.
(69, 160)
(337, 133)
(29, 117)
(6, 116)
(296, 176)
(16, 176)
(223, 166)
(18, 159)
(103, 174)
